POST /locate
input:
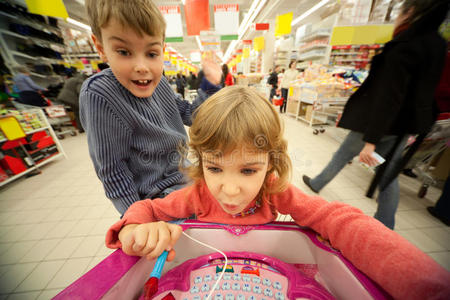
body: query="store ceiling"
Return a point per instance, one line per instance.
(271, 9)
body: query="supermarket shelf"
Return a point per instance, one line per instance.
(27, 132)
(318, 46)
(40, 26)
(16, 53)
(81, 55)
(315, 36)
(38, 75)
(351, 59)
(36, 130)
(43, 162)
(10, 33)
(348, 53)
(312, 56)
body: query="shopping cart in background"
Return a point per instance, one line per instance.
(60, 121)
(434, 145)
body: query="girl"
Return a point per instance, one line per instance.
(241, 170)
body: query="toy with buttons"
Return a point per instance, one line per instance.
(248, 276)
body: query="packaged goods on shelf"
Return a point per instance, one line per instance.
(249, 79)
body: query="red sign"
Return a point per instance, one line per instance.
(262, 26)
(197, 16)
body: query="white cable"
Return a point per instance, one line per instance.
(224, 266)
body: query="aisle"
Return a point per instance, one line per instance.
(52, 226)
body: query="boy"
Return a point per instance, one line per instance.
(133, 119)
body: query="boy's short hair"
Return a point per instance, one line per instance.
(143, 16)
(240, 117)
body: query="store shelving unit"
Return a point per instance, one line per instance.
(315, 47)
(13, 56)
(40, 124)
(313, 110)
(354, 56)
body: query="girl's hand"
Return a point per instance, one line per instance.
(150, 239)
(212, 70)
(365, 156)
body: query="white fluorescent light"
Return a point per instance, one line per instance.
(182, 1)
(253, 12)
(199, 43)
(79, 24)
(309, 11)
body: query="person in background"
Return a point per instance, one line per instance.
(441, 210)
(192, 82)
(102, 66)
(181, 83)
(227, 78)
(273, 81)
(70, 94)
(29, 91)
(133, 119)
(396, 100)
(241, 177)
(288, 78)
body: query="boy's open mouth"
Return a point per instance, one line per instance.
(142, 82)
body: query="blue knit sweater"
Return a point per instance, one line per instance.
(133, 142)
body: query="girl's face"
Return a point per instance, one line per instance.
(235, 179)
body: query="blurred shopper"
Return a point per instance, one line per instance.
(288, 78)
(394, 101)
(181, 83)
(70, 93)
(29, 91)
(273, 81)
(227, 78)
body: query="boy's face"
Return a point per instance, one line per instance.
(235, 179)
(136, 61)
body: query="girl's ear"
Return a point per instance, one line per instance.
(100, 49)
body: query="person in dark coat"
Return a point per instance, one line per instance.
(70, 94)
(394, 101)
(181, 83)
(273, 81)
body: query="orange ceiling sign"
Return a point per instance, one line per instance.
(197, 16)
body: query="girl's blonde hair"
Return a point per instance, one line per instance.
(235, 117)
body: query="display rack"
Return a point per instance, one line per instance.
(20, 37)
(36, 127)
(355, 56)
(314, 108)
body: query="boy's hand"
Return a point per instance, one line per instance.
(150, 239)
(212, 71)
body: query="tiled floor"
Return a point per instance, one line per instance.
(52, 225)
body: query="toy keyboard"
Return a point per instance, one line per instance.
(248, 276)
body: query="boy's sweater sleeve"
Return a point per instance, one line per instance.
(176, 205)
(109, 141)
(395, 264)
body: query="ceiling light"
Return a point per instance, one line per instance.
(253, 12)
(199, 43)
(79, 24)
(309, 12)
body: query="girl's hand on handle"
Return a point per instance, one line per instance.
(150, 239)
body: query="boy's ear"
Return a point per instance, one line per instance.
(100, 49)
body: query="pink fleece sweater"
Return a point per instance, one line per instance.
(395, 264)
